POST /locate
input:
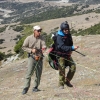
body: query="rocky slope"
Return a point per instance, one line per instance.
(86, 80)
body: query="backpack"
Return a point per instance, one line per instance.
(52, 57)
(54, 38)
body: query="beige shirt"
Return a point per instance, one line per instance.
(33, 43)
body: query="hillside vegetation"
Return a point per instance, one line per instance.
(93, 30)
(22, 10)
(86, 1)
(39, 11)
(2, 29)
(59, 12)
(52, 13)
(28, 31)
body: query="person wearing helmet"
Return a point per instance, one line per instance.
(64, 50)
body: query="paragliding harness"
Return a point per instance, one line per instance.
(52, 56)
(53, 53)
(53, 60)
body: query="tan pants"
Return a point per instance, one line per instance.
(33, 66)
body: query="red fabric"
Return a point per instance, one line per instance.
(50, 49)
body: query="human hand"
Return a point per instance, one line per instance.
(43, 50)
(33, 50)
(76, 47)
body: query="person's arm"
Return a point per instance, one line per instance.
(43, 45)
(25, 46)
(63, 47)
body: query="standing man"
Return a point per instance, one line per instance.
(35, 47)
(64, 51)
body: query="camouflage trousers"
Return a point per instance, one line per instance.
(64, 62)
(33, 66)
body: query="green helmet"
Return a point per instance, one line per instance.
(53, 62)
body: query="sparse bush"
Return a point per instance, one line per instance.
(2, 56)
(18, 28)
(2, 29)
(9, 51)
(2, 47)
(79, 30)
(87, 19)
(18, 46)
(93, 30)
(15, 39)
(73, 32)
(1, 41)
(8, 55)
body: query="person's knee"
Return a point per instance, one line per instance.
(73, 68)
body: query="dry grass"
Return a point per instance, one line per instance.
(86, 80)
(0, 63)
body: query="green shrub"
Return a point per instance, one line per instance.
(8, 55)
(93, 30)
(27, 31)
(18, 28)
(2, 56)
(1, 41)
(87, 19)
(18, 46)
(2, 29)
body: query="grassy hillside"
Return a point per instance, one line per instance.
(93, 30)
(86, 1)
(40, 11)
(51, 13)
(28, 31)
(22, 10)
(59, 12)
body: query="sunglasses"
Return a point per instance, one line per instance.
(38, 30)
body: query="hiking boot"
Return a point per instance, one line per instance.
(35, 89)
(61, 87)
(25, 91)
(69, 84)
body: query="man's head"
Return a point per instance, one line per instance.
(65, 27)
(37, 30)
